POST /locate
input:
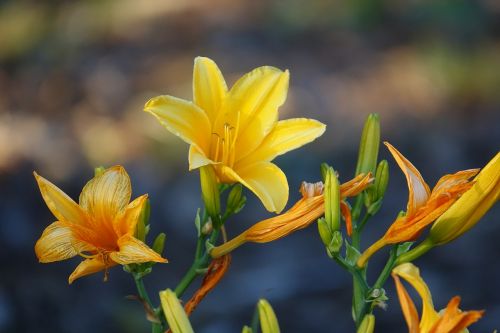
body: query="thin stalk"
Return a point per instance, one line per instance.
(143, 293)
(384, 275)
(255, 320)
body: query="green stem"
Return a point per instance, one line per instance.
(384, 275)
(194, 270)
(358, 228)
(418, 251)
(143, 293)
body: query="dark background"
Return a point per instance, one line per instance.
(74, 76)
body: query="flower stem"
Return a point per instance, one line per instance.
(386, 271)
(418, 251)
(143, 293)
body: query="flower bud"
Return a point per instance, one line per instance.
(174, 313)
(235, 200)
(367, 325)
(210, 191)
(324, 169)
(268, 320)
(324, 231)
(381, 179)
(141, 229)
(332, 200)
(159, 243)
(369, 145)
(99, 171)
(246, 329)
(207, 227)
(470, 207)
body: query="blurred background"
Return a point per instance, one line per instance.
(74, 76)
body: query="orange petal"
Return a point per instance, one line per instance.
(346, 213)
(104, 196)
(418, 188)
(453, 320)
(125, 223)
(56, 243)
(89, 266)
(59, 203)
(133, 251)
(407, 306)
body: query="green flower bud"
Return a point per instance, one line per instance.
(141, 230)
(246, 329)
(268, 320)
(210, 191)
(174, 313)
(335, 243)
(369, 145)
(324, 169)
(381, 179)
(332, 200)
(324, 231)
(99, 171)
(159, 243)
(235, 200)
(367, 325)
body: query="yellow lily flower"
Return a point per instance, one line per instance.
(100, 228)
(305, 211)
(466, 212)
(424, 206)
(237, 131)
(451, 320)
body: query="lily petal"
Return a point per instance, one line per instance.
(265, 180)
(133, 251)
(252, 107)
(182, 118)
(407, 306)
(106, 195)
(197, 158)
(56, 243)
(453, 320)
(418, 188)
(209, 87)
(411, 274)
(89, 266)
(59, 203)
(286, 135)
(126, 222)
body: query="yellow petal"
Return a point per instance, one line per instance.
(411, 274)
(133, 251)
(126, 222)
(407, 306)
(197, 158)
(174, 312)
(62, 206)
(418, 188)
(106, 195)
(265, 180)
(252, 107)
(182, 118)
(56, 243)
(287, 135)
(209, 87)
(471, 206)
(87, 267)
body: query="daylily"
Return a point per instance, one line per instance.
(237, 131)
(100, 228)
(305, 211)
(466, 212)
(424, 206)
(450, 320)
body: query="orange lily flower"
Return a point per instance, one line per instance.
(305, 211)
(100, 228)
(451, 320)
(424, 206)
